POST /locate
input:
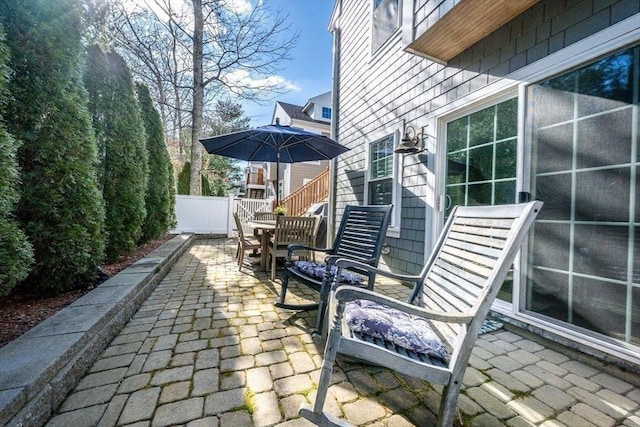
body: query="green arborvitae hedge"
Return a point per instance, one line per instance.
(160, 198)
(16, 254)
(184, 178)
(205, 186)
(122, 153)
(60, 209)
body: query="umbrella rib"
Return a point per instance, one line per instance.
(309, 146)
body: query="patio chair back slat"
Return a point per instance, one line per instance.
(481, 240)
(291, 230)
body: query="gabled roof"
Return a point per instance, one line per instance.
(313, 101)
(295, 112)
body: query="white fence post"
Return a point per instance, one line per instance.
(231, 222)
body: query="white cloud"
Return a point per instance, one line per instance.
(240, 6)
(243, 78)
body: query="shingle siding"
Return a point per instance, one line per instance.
(621, 9)
(375, 90)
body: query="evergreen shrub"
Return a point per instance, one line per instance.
(122, 152)
(160, 196)
(60, 209)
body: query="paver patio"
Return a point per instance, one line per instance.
(208, 348)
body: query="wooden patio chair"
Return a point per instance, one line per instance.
(290, 230)
(431, 336)
(263, 216)
(244, 243)
(360, 236)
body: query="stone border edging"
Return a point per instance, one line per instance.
(39, 368)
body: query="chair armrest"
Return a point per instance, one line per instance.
(297, 247)
(349, 263)
(332, 259)
(346, 293)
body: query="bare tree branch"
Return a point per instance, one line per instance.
(196, 52)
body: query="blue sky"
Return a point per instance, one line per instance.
(310, 70)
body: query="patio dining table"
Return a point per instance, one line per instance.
(266, 226)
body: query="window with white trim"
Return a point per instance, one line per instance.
(386, 20)
(326, 112)
(382, 182)
(481, 161)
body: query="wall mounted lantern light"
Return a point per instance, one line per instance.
(412, 142)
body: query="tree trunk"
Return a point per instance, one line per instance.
(175, 80)
(162, 103)
(198, 100)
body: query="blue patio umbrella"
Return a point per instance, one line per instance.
(274, 143)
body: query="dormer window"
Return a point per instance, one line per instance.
(326, 112)
(386, 20)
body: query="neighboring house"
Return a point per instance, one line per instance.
(314, 116)
(509, 99)
(256, 180)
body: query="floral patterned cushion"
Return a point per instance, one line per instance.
(316, 270)
(389, 324)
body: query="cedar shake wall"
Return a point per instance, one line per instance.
(377, 89)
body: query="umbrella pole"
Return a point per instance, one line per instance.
(278, 178)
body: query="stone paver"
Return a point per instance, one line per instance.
(140, 406)
(179, 412)
(208, 348)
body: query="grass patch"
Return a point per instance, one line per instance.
(518, 394)
(248, 401)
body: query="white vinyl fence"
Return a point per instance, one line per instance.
(247, 207)
(214, 215)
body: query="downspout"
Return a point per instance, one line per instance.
(334, 28)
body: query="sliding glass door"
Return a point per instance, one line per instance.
(481, 161)
(584, 266)
(583, 261)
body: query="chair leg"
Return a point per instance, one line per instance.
(449, 403)
(315, 413)
(240, 259)
(322, 306)
(283, 288)
(273, 266)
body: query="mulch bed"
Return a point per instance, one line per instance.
(21, 312)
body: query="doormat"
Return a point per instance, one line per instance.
(490, 326)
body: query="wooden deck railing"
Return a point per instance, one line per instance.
(314, 191)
